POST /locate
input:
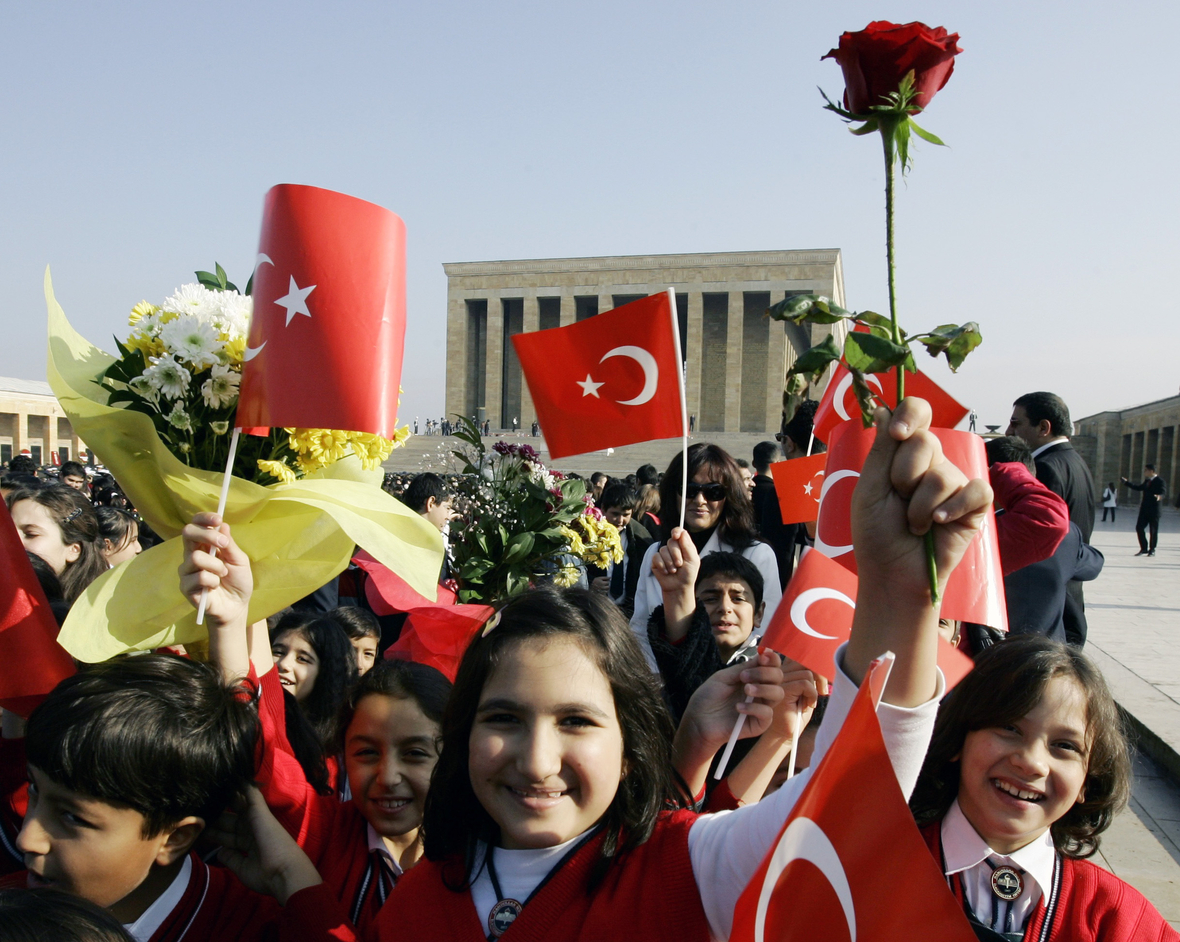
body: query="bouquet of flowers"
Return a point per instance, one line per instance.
(181, 365)
(519, 522)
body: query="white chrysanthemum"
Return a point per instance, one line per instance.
(221, 389)
(219, 428)
(168, 377)
(193, 299)
(142, 386)
(148, 325)
(179, 419)
(539, 475)
(192, 339)
(234, 312)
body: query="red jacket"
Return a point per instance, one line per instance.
(334, 834)
(1089, 905)
(650, 894)
(1034, 521)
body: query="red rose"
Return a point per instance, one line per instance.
(876, 59)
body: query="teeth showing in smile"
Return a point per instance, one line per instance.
(1015, 792)
(537, 794)
(392, 804)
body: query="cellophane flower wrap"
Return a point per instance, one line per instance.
(158, 418)
(520, 522)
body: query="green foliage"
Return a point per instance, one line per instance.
(217, 281)
(954, 341)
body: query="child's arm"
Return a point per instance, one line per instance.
(675, 567)
(228, 582)
(907, 488)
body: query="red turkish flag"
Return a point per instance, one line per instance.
(815, 618)
(850, 863)
(388, 593)
(839, 404)
(326, 338)
(975, 591)
(437, 635)
(797, 483)
(611, 380)
(33, 661)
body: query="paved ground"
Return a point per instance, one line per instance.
(1133, 610)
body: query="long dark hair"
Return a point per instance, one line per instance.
(736, 526)
(405, 680)
(75, 517)
(454, 820)
(1008, 681)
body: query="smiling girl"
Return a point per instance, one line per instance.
(549, 813)
(1027, 767)
(59, 525)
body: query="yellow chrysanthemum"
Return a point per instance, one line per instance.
(400, 436)
(323, 445)
(235, 349)
(140, 311)
(277, 469)
(150, 346)
(371, 449)
(565, 577)
(573, 540)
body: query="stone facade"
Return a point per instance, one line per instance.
(1119, 444)
(735, 357)
(32, 422)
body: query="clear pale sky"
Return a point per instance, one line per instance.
(138, 140)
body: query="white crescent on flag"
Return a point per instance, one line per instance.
(805, 840)
(809, 597)
(829, 479)
(842, 390)
(651, 372)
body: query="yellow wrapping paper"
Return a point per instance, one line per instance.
(298, 536)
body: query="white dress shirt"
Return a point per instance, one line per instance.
(153, 917)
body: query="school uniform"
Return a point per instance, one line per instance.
(679, 886)
(1051, 897)
(350, 856)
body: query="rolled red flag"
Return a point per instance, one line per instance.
(326, 339)
(437, 635)
(33, 661)
(611, 380)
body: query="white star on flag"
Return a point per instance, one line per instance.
(295, 300)
(589, 387)
(807, 488)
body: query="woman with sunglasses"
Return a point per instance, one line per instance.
(718, 517)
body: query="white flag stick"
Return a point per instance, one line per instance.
(795, 744)
(733, 738)
(683, 404)
(229, 467)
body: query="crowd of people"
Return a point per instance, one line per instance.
(558, 779)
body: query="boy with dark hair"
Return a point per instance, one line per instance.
(128, 761)
(73, 475)
(619, 580)
(710, 618)
(427, 494)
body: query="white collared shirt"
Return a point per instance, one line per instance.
(1049, 444)
(153, 917)
(377, 843)
(966, 853)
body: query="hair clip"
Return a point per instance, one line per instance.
(491, 625)
(72, 515)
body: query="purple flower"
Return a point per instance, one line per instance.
(527, 451)
(502, 448)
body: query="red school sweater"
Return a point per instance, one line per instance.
(216, 907)
(650, 894)
(1088, 904)
(334, 834)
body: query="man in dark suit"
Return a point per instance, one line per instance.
(619, 580)
(1153, 488)
(1042, 420)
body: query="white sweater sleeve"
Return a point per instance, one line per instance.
(728, 846)
(648, 598)
(762, 556)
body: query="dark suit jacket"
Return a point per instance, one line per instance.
(1061, 469)
(638, 540)
(1153, 496)
(1037, 593)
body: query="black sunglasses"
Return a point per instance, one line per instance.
(712, 492)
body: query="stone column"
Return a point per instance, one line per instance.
(530, 323)
(776, 370)
(51, 435)
(569, 312)
(694, 343)
(606, 301)
(733, 362)
(495, 363)
(458, 368)
(20, 438)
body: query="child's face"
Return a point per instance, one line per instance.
(297, 663)
(92, 848)
(41, 535)
(390, 749)
(546, 749)
(1015, 781)
(729, 602)
(366, 653)
(617, 517)
(125, 551)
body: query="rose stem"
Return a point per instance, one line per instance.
(888, 128)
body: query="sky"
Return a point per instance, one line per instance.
(137, 141)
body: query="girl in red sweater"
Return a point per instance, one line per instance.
(1027, 767)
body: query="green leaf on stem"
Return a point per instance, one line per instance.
(865, 396)
(954, 341)
(870, 353)
(926, 135)
(812, 363)
(809, 308)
